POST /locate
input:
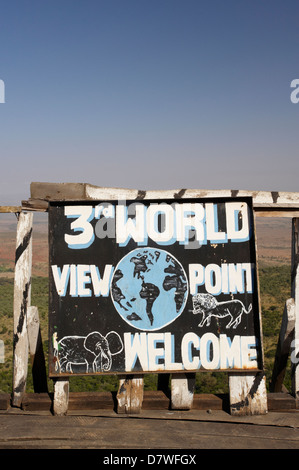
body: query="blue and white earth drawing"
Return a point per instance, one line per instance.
(149, 288)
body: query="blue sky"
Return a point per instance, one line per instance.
(149, 94)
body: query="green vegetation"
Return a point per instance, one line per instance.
(274, 288)
(5, 269)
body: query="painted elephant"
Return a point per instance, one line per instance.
(93, 351)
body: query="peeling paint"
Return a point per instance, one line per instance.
(23, 246)
(22, 316)
(180, 193)
(275, 196)
(141, 194)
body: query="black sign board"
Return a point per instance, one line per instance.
(153, 286)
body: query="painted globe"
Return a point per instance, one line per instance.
(149, 288)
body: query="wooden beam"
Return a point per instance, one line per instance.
(38, 205)
(263, 201)
(153, 400)
(4, 401)
(10, 209)
(57, 191)
(277, 213)
(81, 191)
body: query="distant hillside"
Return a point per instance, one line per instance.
(8, 226)
(273, 241)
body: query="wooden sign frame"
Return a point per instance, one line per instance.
(130, 297)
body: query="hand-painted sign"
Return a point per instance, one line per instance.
(153, 286)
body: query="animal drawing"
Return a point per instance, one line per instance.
(93, 351)
(208, 306)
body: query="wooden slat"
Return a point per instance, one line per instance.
(272, 203)
(4, 401)
(38, 205)
(10, 209)
(37, 402)
(209, 401)
(281, 213)
(155, 400)
(57, 191)
(91, 401)
(281, 402)
(152, 400)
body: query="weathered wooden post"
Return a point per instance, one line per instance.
(182, 391)
(22, 298)
(130, 394)
(61, 396)
(295, 296)
(283, 346)
(248, 393)
(247, 390)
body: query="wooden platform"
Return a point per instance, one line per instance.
(92, 423)
(153, 431)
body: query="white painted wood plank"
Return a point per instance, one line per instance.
(130, 395)
(81, 191)
(260, 198)
(182, 391)
(248, 393)
(61, 396)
